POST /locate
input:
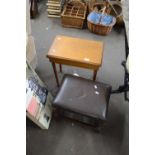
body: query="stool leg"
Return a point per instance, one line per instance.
(56, 114)
(55, 73)
(100, 127)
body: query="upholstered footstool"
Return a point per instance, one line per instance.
(83, 99)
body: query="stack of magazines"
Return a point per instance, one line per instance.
(38, 90)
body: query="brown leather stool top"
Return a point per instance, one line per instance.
(83, 96)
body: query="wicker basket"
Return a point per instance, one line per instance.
(100, 29)
(118, 8)
(74, 14)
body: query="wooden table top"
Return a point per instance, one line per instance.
(76, 49)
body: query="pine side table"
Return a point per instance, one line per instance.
(75, 52)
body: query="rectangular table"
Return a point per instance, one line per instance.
(75, 52)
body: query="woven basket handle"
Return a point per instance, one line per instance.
(76, 3)
(112, 7)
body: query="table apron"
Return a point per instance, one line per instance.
(76, 64)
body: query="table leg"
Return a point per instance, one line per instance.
(55, 73)
(33, 8)
(94, 76)
(60, 68)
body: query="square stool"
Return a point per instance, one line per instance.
(82, 97)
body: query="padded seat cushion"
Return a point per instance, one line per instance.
(83, 96)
